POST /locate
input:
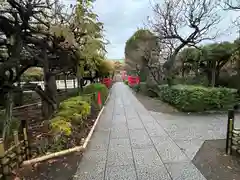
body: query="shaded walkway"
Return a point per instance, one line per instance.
(129, 144)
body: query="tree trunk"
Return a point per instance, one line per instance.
(213, 74)
(65, 82)
(8, 114)
(74, 83)
(50, 89)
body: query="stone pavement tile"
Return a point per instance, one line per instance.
(119, 156)
(139, 138)
(120, 173)
(184, 171)
(134, 124)
(146, 157)
(168, 150)
(146, 118)
(95, 157)
(119, 119)
(187, 133)
(152, 173)
(99, 141)
(121, 132)
(190, 147)
(119, 143)
(154, 129)
(87, 171)
(92, 166)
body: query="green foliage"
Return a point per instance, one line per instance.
(33, 74)
(61, 125)
(125, 82)
(94, 89)
(71, 111)
(136, 87)
(189, 98)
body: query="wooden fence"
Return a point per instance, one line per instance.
(12, 158)
(233, 135)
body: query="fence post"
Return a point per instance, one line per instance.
(25, 138)
(2, 154)
(18, 148)
(230, 127)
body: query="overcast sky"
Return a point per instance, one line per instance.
(121, 19)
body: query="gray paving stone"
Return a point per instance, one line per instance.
(121, 173)
(190, 147)
(153, 173)
(146, 118)
(87, 171)
(119, 143)
(95, 157)
(119, 133)
(154, 129)
(119, 156)
(139, 138)
(134, 124)
(184, 171)
(146, 157)
(168, 150)
(99, 141)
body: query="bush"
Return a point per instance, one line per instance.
(71, 111)
(136, 87)
(198, 98)
(125, 82)
(94, 89)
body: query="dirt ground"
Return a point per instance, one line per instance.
(214, 164)
(62, 168)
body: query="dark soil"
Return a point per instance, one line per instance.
(214, 164)
(154, 104)
(62, 168)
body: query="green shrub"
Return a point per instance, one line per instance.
(74, 109)
(94, 89)
(71, 111)
(125, 82)
(136, 87)
(198, 98)
(61, 126)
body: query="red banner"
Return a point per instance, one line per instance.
(133, 80)
(107, 82)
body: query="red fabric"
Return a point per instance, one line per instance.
(133, 80)
(99, 100)
(107, 82)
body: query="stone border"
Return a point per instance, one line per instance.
(67, 151)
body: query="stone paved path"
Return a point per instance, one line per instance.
(129, 144)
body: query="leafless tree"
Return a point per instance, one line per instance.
(180, 23)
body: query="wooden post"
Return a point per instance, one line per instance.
(230, 127)
(2, 154)
(25, 137)
(18, 148)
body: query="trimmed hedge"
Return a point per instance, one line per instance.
(190, 98)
